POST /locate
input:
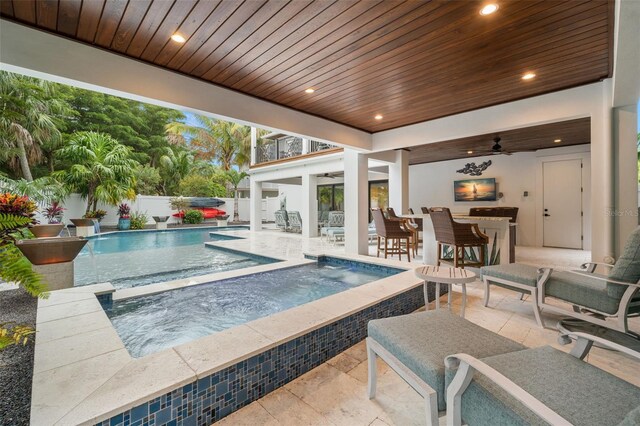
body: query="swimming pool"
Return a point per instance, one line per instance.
(131, 259)
(149, 324)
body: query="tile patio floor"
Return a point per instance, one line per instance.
(335, 392)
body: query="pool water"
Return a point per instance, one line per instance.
(131, 259)
(152, 323)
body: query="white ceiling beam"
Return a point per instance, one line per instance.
(626, 60)
(569, 104)
(43, 55)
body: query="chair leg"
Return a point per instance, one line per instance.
(536, 307)
(486, 291)
(431, 409)
(408, 251)
(378, 252)
(439, 254)
(386, 241)
(455, 256)
(373, 372)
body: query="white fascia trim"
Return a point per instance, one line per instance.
(330, 163)
(579, 102)
(51, 57)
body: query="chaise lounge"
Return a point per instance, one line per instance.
(415, 347)
(604, 300)
(555, 388)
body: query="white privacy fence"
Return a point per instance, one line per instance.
(153, 205)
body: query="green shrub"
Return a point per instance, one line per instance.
(193, 217)
(138, 220)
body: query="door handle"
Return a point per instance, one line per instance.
(547, 214)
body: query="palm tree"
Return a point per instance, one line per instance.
(102, 169)
(28, 120)
(234, 178)
(225, 142)
(174, 165)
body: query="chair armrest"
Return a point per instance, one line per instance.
(605, 279)
(476, 230)
(467, 365)
(584, 341)
(591, 266)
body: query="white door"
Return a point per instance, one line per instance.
(562, 203)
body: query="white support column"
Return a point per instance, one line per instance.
(399, 182)
(356, 203)
(625, 121)
(306, 146)
(602, 190)
(309, 211)
(255, 213)
(254, 145)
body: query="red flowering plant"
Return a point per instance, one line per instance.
(16, 213)
(124, 210)
(54, 212)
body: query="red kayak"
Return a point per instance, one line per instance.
(209, 212)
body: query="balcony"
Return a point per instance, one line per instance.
(280, 147)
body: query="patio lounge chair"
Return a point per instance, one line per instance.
(415, 347)
(295, 221)
(594, 297)
(335, 222)
(282, 221)
(555, 388)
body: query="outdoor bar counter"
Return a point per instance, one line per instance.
(499, 249)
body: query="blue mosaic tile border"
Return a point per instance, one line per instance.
(258, 257)
(222, 237)
(337, 261)
(211, 398)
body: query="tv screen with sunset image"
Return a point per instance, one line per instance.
(475, 190)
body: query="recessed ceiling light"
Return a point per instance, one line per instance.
(528, 76)
(309, 90)
(557, 140)
(488, 9)
(178, 38)
(378, 117)
(469, 152)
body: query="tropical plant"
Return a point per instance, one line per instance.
(16, 214)
(224, 142)
(200, 186)
(95, 214)
(137, 125)
(102, 169)
(193, 217)
(175, 164)
(234, 178)
(147, 180)
(138, 220)
(43, 191)
(54, 212)
(28, 120)
(123, 211)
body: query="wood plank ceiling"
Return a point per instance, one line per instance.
(408, 61)
(571, 132)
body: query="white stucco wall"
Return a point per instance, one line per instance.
(431, 185)
(151, 205)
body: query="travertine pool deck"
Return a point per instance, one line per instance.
(84, 374)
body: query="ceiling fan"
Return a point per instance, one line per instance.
(496, 149)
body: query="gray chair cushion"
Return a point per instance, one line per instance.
(576, 390)
(422, 340)
(583, 290)
(631, 419)
(627, 267)
(516, 272)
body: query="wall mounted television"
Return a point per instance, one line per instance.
(475, 190)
